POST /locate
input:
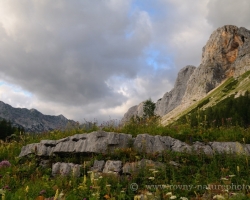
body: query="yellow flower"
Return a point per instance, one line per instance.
(27, 189)
(137, 197)
(57, 194)
(84, 179)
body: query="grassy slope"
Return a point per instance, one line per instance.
(230, 86)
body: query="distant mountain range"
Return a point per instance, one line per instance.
(223, 72)
(33, 120)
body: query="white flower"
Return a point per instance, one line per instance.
(169, 194)
(184, 198)
(218, 196)
(232, 175)
(224, 179)
(173, 197)
(151, 178)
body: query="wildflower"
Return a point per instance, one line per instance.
(5, 163)
(107, 196)
(173, 197)
(42, 192)
(27, 189)
(137, 197)
(151, 178)
(84, 179)
(57, 194)
(61, 195)
(224, 179)
(2, 192)
(231, 176)
(108, 185)
(238, 168)
(218, 196)
(154, 172)
(184, 198)
(169, 194)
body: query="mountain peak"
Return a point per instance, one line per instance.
(32, 120)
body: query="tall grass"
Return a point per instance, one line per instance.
(194, 176)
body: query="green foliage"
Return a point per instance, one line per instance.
(6, 129)
(229, 112)
(148, 108)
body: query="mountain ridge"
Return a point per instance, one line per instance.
(33, 120)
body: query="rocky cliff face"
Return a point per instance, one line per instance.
(170, 99)
(32, 120)
(225, 54)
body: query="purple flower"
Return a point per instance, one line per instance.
(6, 187)
(42, 192)
(5, 163)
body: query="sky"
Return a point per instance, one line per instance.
(94, 59)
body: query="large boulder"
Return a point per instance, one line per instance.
(95, 142)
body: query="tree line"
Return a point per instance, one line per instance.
(7, 129)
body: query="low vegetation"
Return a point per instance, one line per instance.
(221, 176)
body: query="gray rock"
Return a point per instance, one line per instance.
(66, 169)
(169, 101)
(98, 165)
(100, 142)
(225, 54)
(130, 168)
(199, 147)
(45, 163)
(152, 144)
(179, 146)
(228, 147)
(136, 110)
(172, 99)
(32, 120)
(113, 167)
(175, 164)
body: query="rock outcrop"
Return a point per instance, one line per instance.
(172, 99)
(106, 142)
(32, 120)
(226, 52)
(169, 101)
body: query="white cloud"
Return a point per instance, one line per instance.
(88, 59)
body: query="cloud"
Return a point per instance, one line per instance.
(88, 59)
(228, 12)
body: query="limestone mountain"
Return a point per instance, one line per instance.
(33, 120)
(223, 71)
(226, 54)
